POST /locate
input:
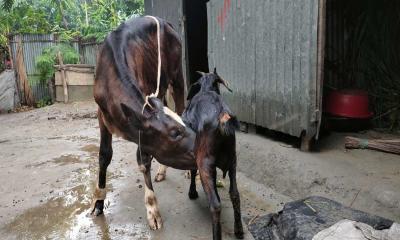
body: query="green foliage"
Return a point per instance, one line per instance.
(24, 18)
(105, 15)
(45, 62)
(46, 101)
(7, 5)
(70, 19)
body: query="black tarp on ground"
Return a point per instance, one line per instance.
(301, 220)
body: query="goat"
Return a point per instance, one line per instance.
(215, 125)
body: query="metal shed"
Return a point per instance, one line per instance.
(270, 51)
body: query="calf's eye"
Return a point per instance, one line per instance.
(175, 133)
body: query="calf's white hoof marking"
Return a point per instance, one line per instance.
(153, 214)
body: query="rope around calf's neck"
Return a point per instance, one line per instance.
(155, 94)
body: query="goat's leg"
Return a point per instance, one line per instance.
(150, 200)
(192, 190)
(235, 198)
(105, 155)
(208, 175)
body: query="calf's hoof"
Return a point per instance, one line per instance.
(98, 208)
(154, 219)
(159, 177)
(193, 195)
(187, 174)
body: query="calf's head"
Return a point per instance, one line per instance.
(163, 134)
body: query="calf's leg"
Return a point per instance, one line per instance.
(161, 173)
(105, 155)
(150, 200)
(208, 175)
(192, 190)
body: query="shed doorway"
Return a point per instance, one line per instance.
(196, 38)
(362, 52)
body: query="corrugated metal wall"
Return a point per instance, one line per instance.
(268, 51)
(88, 52)
(171, 10)
(33, 46)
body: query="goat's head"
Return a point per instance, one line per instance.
(207, 82)
(163, 133)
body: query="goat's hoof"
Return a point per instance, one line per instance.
(154, 219)
(159, 177)
(239, 235)
(193, 195)
(98, 208)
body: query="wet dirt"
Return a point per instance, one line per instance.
(49, 173)
(50, 160)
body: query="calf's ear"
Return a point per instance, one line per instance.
(138, 120)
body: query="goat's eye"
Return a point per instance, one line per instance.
(175, 133)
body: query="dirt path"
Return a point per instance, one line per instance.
(48, 167)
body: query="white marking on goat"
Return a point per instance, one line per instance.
(174, 116)
(153, 214)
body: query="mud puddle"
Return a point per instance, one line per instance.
(65, 159)
(68, 215)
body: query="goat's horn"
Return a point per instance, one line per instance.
(201, 73)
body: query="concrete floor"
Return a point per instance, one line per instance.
(48, 167)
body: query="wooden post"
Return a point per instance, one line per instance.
(10, 53)
(23, 77)
(63, 76)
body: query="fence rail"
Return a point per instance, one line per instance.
(33, 46)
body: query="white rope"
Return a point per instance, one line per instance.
(155, 94)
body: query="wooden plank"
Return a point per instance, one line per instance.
(75, 78)
(63, 78)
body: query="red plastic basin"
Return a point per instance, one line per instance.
(348, 103)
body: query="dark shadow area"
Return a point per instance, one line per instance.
(362, 53)
(196, 41)
(286, 139)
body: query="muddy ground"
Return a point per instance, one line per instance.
(48, 168)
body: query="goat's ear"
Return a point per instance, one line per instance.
(223, 82)
(138, 120)
(194, 89)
